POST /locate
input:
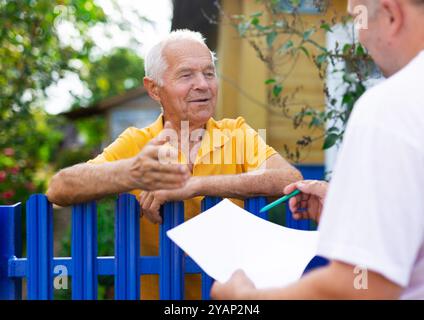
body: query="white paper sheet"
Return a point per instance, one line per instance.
(226, 238)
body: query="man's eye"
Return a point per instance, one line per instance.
(210, 74)
(185, 75)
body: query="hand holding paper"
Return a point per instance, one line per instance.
(226, 238)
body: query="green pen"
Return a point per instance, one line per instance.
(282, 199)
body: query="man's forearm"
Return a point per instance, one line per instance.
(86, 182)
(336, 282)
(317, 285)
(269, 182)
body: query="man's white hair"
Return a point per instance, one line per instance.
(155, 63)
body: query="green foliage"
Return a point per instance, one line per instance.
(279, 41)
(33, 58)
(32, 55)
(26, 146)
(111, 74)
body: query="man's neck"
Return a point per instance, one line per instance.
(410, 54)
(412, 43)
(183, 125)
(189, 139)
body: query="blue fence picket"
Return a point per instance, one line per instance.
(254, 205)
(84, 251)
(297, 224)
(171, 273)
(207, 202)
(39, 247)
(10, 249)
(127, 248)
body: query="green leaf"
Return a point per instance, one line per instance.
(307, 34)
(333, 130)
(330, 140)
(269, 81)
(270, 38)
(326, 27)
(305, 51)
(321, 59)
(360, 51)
(254, 21)
(261, 28)
(6, 161)
(316, 122)
(346, 48)
(347, 98)
(256, 14)
(286, 46)
(277, 90)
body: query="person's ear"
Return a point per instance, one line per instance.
(152, 88)
(392, 12)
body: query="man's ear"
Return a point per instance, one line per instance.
(152, 88)
(393, 13)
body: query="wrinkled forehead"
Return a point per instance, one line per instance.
(186, 50)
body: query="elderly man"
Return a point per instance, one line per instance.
(372, 225)
(224, 158)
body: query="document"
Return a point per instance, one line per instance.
(226, 237)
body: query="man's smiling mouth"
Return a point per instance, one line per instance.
(199, 100)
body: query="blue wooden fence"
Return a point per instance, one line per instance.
(84, 266)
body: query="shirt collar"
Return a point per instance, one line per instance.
(213, 138)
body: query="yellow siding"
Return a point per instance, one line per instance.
(242, 76)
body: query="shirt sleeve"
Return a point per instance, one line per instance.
(374, 214)
(256, 151)
(127, 145)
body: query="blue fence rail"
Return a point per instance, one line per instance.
(84, 266)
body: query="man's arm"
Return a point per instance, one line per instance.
(269, 180)
(336, 281)
(85, 182)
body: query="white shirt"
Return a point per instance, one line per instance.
(374, 211)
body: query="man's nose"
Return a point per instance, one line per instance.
(201, 82)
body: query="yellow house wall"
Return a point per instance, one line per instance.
(242, 76)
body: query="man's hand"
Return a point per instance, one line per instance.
(151, 201)
(148, 173)
(238, 287)
(309, 203)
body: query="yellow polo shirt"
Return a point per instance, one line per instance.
(229, 146)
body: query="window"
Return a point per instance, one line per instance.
(124, 118)
(303, 6)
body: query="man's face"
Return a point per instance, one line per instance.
(373, 38)
(190, 86)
